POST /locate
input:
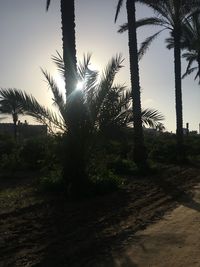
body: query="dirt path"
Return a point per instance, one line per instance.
(39, 230)
(174, 241)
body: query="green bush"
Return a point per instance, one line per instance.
(41, 152)
(105, 182)
(7, 144)
(12, 161)
(52, 181)
(123, 166)
(162, 149)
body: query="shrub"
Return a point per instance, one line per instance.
(12, 161)
(52, 181)
(105, 182)
(123, 166)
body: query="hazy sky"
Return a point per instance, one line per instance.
(30, 36)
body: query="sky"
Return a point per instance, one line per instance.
(30, 36)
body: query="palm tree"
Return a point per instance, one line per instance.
(116, 113)
(190, 41)
(69, 43)
(10, 105)
(77, 115)
(140, 155)
(170, 16)
(84, 113)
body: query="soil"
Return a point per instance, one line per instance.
(152, 221)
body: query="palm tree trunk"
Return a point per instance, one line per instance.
(198, 59)
(139, 155)
(69, 44)
(178, 94)
(15, 119)
(74, 167)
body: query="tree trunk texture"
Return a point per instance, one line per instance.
(74, 167)
(140, 155)
(69, 44)
(198, 59)
(178, 93)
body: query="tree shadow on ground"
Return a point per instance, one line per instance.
(123, 261)
(177, 193)
(90, 230)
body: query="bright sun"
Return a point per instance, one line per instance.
(80, 85)
(60, 82)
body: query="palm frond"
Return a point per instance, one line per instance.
(58, 97)
(151, 117)
(84, 66)
(58, 60)
(197, 75)
(119, 6)
(123, 28)
(170, 42)
(48, 4)
(30, 106)
(105, 84)
(145, 45)
(189, 71)
(8, 102)
(152, 21)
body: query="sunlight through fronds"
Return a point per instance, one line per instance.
(106, 83)
(101, 105)
(58, 60)
(80, 85)
(58, 99)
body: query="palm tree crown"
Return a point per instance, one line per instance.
(10, 105)
(191, 42)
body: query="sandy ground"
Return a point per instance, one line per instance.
(45, 230)
(173, 241)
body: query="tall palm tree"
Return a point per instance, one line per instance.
(10, 105)
(140, 155)
(69, 43)
(170, 16)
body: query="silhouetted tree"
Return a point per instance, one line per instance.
(87, 111)
(139, 153)
(10, 105)
(69, 43)
(170, 16)
(190, 41)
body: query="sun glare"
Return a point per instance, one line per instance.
(60, 82)
(80, 85)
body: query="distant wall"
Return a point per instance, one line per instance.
(23, 130)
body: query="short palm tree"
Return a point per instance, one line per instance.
(101, 106)
(9, 105)
(170, 16)
(139, 152)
